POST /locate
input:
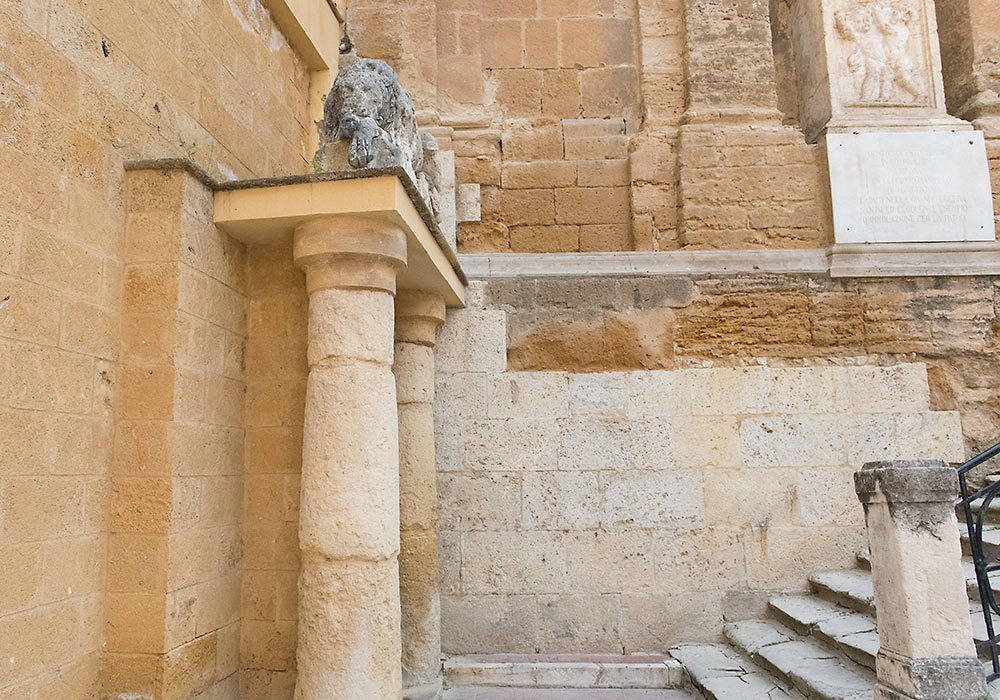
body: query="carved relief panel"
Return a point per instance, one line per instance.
(861, 62)
(881, 54)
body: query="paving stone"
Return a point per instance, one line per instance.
(721, 673)
(493, 693)
(583, 671)
(751, 686)
(816, 671)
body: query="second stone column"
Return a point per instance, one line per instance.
(348, 612)
(418, 314)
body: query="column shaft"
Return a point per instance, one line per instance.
(417, 317)
(348, 617)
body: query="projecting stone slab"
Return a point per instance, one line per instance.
(910, 186)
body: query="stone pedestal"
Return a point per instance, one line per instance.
(349, 614)
(418, 314)
(926, 651)
(901, 168)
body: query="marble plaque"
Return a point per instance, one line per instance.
(910, 186)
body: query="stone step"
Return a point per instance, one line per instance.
(852, 633)
(991, 539)
(495, 693)
(564, 671)
(814, 669)
(972, 587)
(722, 673)
(992, 511)
(850, 589)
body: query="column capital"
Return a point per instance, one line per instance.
(418, 314)
(349, 252)
(907, 481)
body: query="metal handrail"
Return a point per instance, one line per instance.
(984, 562)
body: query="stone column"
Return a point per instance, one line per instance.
(418, 314)
(348, 616)
(926, 651)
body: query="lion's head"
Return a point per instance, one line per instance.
(364, 88)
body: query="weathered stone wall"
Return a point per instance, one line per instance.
(632, 124)
(631, 510)
(173, 583)
(663, 323)
(276, 396)
(84, 88)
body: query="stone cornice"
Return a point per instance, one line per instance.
(862, 260)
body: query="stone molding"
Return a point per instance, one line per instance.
(348, 252)
(844, 260)
(907, 481)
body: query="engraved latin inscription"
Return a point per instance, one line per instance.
(910, 186)
(884, 56)
(906, 186)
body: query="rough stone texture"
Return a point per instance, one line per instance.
(418, 316)
(368, 122)
(276, 396)
(172, 610)
(85, 88)
(349, 519)
(605, 511)
(926, 645)
(779, 319)
(969, 34)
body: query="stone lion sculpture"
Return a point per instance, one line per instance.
(369, 122)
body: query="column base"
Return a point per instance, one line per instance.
(936, 678)
(429, 691)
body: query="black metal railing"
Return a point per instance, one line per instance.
(975, 506)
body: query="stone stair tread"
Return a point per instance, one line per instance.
(851, 588)
(586, 671)
(721, 673)
(801, 612)
(816, 670)
(751, 635)
(991, 534)
(500, 693)
(853, 633)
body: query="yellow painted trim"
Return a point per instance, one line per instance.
(314, 34)
(261, 215)
(311, 29)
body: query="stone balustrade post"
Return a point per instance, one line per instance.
(418, 314)
(348, 612)
(926, 649)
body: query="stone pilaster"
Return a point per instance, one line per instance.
(348, 617)
(418, 314)
(926, 650)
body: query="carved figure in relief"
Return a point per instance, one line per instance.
(880, 31)
(369, 122)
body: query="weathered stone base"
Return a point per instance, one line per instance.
(941, 678)
(429, 691)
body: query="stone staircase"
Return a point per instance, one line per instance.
(819, 646)
(564, 677)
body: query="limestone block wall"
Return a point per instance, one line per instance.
(628, 510)
(171, 606)
(85, 87)
(276, 395)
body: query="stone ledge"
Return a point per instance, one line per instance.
(915, 259)
(844, 260)
(643, 264)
